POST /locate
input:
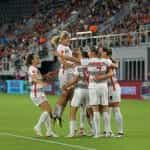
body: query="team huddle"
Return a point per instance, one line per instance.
(88, 83)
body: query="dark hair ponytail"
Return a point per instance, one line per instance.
(29, 59)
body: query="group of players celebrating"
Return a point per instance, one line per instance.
(88, 82)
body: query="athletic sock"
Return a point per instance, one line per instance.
(96, 120)
(92, 126)
(42, 118)
(82, 117)
(107, 126)
(48, 124)
(58, 110)
(119, 119)
(72, 127)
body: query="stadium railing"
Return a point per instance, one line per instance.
(141, 38)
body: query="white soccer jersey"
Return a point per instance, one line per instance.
(114, 94)
(81, 94)
(98, 66)
(98, 91)
(82, 73)
(36, 89)
(64, 74)
(65, 50)
(114, 77)
(84, 61)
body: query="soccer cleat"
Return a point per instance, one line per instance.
(119, 135)
(82, 132)
(60, 121)
(38, 131)
(54, 120)
(108, 134)
(71, 136)
(91, 133)
(51, 134)
(57, 120)
(97, 136)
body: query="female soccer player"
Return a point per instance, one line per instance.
(115, 100)
(65, 71)
(37, 95)
(99, 72)
(80, 95)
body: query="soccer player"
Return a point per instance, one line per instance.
(114, 101)
(114, 93)
(80, 95)
(65, 71)
(99, 71)
(37, 95)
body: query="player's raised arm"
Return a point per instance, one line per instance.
(105, 76)
(66, 58)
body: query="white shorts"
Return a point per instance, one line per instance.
(98, 94)
(115, 96)
(64, 76)
(80, 96)
(39, 99)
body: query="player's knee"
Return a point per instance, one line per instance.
(105, 109)
(46, 113)
(64, 93)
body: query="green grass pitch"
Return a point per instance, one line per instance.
(18, 116)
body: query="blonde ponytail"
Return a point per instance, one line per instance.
(55, 40)
(64, 35)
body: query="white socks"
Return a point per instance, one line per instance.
(48, 124)
(82, 117)
(42, 119)
(96, 120)
(107, 126)
(119, 120)
(73, 127)
(92, 126)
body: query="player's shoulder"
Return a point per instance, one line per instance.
(63, 49)
(60, 47)
(32, 69)
(109, 60)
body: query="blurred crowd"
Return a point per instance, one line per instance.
(31, 34)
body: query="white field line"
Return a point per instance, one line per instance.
(45, 141)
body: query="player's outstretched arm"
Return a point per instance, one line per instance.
(67, 58)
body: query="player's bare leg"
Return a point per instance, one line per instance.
(61, 104)
(89, 116)
(45, 118)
